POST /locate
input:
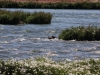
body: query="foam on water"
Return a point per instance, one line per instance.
(30, 40)
(4, 42)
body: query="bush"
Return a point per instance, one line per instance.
(81, 33)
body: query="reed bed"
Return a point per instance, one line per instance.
(46, 66)
(20, 17)
(81, 33)
(56, 5)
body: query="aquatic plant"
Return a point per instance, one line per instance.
(8, 17)
(46, 66)
(81, 33)
(17, 17)
(39, 17)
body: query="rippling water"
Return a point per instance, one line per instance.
(30, 40)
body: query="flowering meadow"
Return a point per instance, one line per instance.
(46, 66)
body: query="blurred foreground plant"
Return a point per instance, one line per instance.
(45, 66)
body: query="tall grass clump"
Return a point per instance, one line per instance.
(8, 17)
(81, 33)
(39, 17)
(18, 17)
(46, 66)
(8, 4)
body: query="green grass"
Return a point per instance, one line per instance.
(81, 33)
(45, 66)
(19, 17)
(39, 17)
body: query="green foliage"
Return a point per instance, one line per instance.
(39, 18)
(4, 18)
(7, 17)
(58, 5)
(17, 17)
(81, 33)
(45, 66)
(8, 3)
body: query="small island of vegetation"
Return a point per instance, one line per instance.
(81, 33)
(20, 17)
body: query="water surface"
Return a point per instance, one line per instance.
(30, 40)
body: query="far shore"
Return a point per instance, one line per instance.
(51, 4)
(53, 1)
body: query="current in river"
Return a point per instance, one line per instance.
(31, 40)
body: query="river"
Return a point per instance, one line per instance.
(31, 40)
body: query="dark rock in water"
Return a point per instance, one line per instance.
(51, 37)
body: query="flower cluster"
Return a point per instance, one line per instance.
(46, 66)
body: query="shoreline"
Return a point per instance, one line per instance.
(55, 1)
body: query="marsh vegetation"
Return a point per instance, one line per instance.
(81, 33)
(49, 5)
(20, 17)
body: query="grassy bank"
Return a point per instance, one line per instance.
(81, 33)
(45, 66)
(19, 17)
(58, 5)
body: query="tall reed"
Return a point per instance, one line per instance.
(57, 5)
(17, 17)
(39, 18)
(81, 33)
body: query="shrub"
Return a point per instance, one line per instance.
(90, 33)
